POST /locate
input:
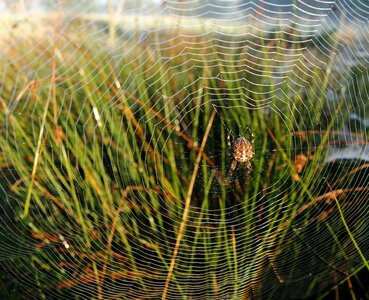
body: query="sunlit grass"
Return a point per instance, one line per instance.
(98, 151)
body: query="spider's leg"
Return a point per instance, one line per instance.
(249, 167)
(229, 141)
(232, 168)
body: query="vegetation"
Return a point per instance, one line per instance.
(114, 169)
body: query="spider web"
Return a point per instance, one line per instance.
(114, 158)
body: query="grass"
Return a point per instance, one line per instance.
(114, 169)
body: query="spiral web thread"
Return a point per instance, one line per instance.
(110, 108)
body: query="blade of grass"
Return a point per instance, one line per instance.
(39, 143)
(187, 207)
(347, 228)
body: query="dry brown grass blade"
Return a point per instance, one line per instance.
(187, 207)
(353, 171)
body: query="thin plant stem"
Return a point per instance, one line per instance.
(187, 207)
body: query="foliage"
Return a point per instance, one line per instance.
(98, 150)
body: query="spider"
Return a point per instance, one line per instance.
(242, 151)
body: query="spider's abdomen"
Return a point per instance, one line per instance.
(242, 150)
